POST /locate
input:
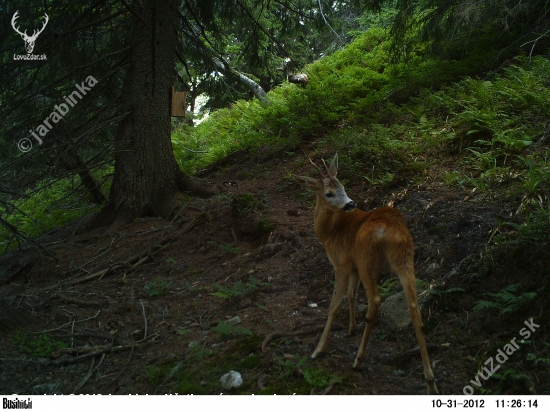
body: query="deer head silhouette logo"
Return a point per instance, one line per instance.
(29, 40)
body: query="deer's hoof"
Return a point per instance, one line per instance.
(432, 389)
(358, 363)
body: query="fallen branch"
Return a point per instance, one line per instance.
(303, 332)
(144, 319)
(65, 361)
(68, 323)
(75, 350)
(234, 235)
(125, 366)
(77, 301)
(100, 362)
(81, 384)
(137, 260)
(87, 335)
(101, 273)
(328, 390)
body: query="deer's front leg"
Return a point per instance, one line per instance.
(341, 280)
(353, 288)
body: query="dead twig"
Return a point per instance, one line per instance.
(261, 381)
(125, 366)
(101, 351)
(100, 362)
(137, 260)
(76, 350)
(328, 390)
(144, 319)
(81, 384)
(19, 360)
(303, 332)
(88, 335)
(67, 324)
(77, 301)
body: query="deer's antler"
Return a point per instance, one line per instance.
(318, 168)
(326, 168)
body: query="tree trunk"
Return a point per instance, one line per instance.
(147, 178)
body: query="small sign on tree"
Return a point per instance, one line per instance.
(177, 104)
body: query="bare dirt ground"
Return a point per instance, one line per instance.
(157, 323)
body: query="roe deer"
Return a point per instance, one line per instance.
(360, 245)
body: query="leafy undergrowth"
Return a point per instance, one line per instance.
(357, 86)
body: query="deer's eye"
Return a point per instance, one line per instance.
(329, 195)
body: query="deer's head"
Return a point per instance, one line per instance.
(29, 40)
(329, 190)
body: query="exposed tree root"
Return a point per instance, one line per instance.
(119, 216)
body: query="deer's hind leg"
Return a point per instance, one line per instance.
(405, 272)
(369, 278)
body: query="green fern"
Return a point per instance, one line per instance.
(446, 292)
(320, 379)
(536, 359)
(507, 300)
(224, 330)
(239, 288)
(510, 378)
(386, 287)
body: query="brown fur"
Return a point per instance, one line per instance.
(360, 245)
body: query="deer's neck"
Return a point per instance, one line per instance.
(329, 224)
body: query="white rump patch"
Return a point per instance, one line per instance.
(380, 231)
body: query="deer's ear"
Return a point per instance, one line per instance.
(309, 182)
(333, 169)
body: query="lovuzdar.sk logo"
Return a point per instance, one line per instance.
(29, 40)
(16, 404)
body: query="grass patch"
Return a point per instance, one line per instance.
(239, 288)
(41, 346)
(157, 287)
(320, 379)
(225, 330)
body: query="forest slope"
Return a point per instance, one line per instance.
(465, 159)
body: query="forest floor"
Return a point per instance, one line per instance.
(158, 323)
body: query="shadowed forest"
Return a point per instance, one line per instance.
(147, 252)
